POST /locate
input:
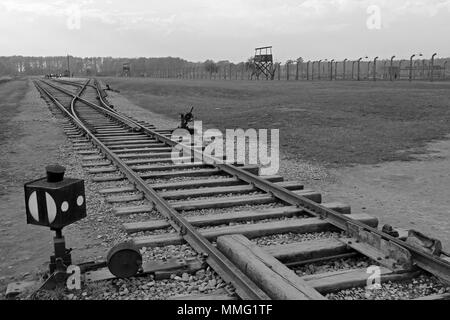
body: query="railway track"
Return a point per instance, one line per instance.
(252, 230)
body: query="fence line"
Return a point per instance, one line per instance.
(320, 70)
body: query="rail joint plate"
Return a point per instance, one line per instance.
(384, 252)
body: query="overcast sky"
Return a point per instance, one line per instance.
(225, 29)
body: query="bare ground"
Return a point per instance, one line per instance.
(31, 137)
(24, 156)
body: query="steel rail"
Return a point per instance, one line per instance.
(77, 84)
(431, 263)
(74, 100)
(128, 122)
(101, 98)
(72, 83)
(245, 287)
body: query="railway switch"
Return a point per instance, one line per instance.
(186, 119)
(124, 260)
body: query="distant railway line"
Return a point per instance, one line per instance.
(227, 212)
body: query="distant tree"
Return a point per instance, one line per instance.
(250, 65)
(108, 66)
(223, 63)
(210, 66)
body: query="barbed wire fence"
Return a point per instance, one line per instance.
(323, 70)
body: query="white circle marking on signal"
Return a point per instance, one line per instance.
(51, 208)
(80, 201)
(33, 206)
(65, 206)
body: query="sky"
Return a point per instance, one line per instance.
(197, 30)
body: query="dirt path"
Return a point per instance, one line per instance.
(29, 139)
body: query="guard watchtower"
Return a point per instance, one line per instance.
(263, 61)
(126, 70)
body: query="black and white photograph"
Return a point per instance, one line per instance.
(212, 158)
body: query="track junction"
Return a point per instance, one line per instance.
(119, 148)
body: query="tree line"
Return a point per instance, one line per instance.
(106, 66)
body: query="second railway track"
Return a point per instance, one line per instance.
(216, 208)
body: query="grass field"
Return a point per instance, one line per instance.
(333, 123)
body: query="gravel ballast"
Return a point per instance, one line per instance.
(101, 230)
(402, 290)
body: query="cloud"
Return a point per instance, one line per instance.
(220, 17)
(185, 26)
(103, 12)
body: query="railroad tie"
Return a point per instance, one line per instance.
(304, 225)
(231, 217)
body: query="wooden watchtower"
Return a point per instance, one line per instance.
(263, 61)
(126, 70)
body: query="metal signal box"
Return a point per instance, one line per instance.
(55, 201)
